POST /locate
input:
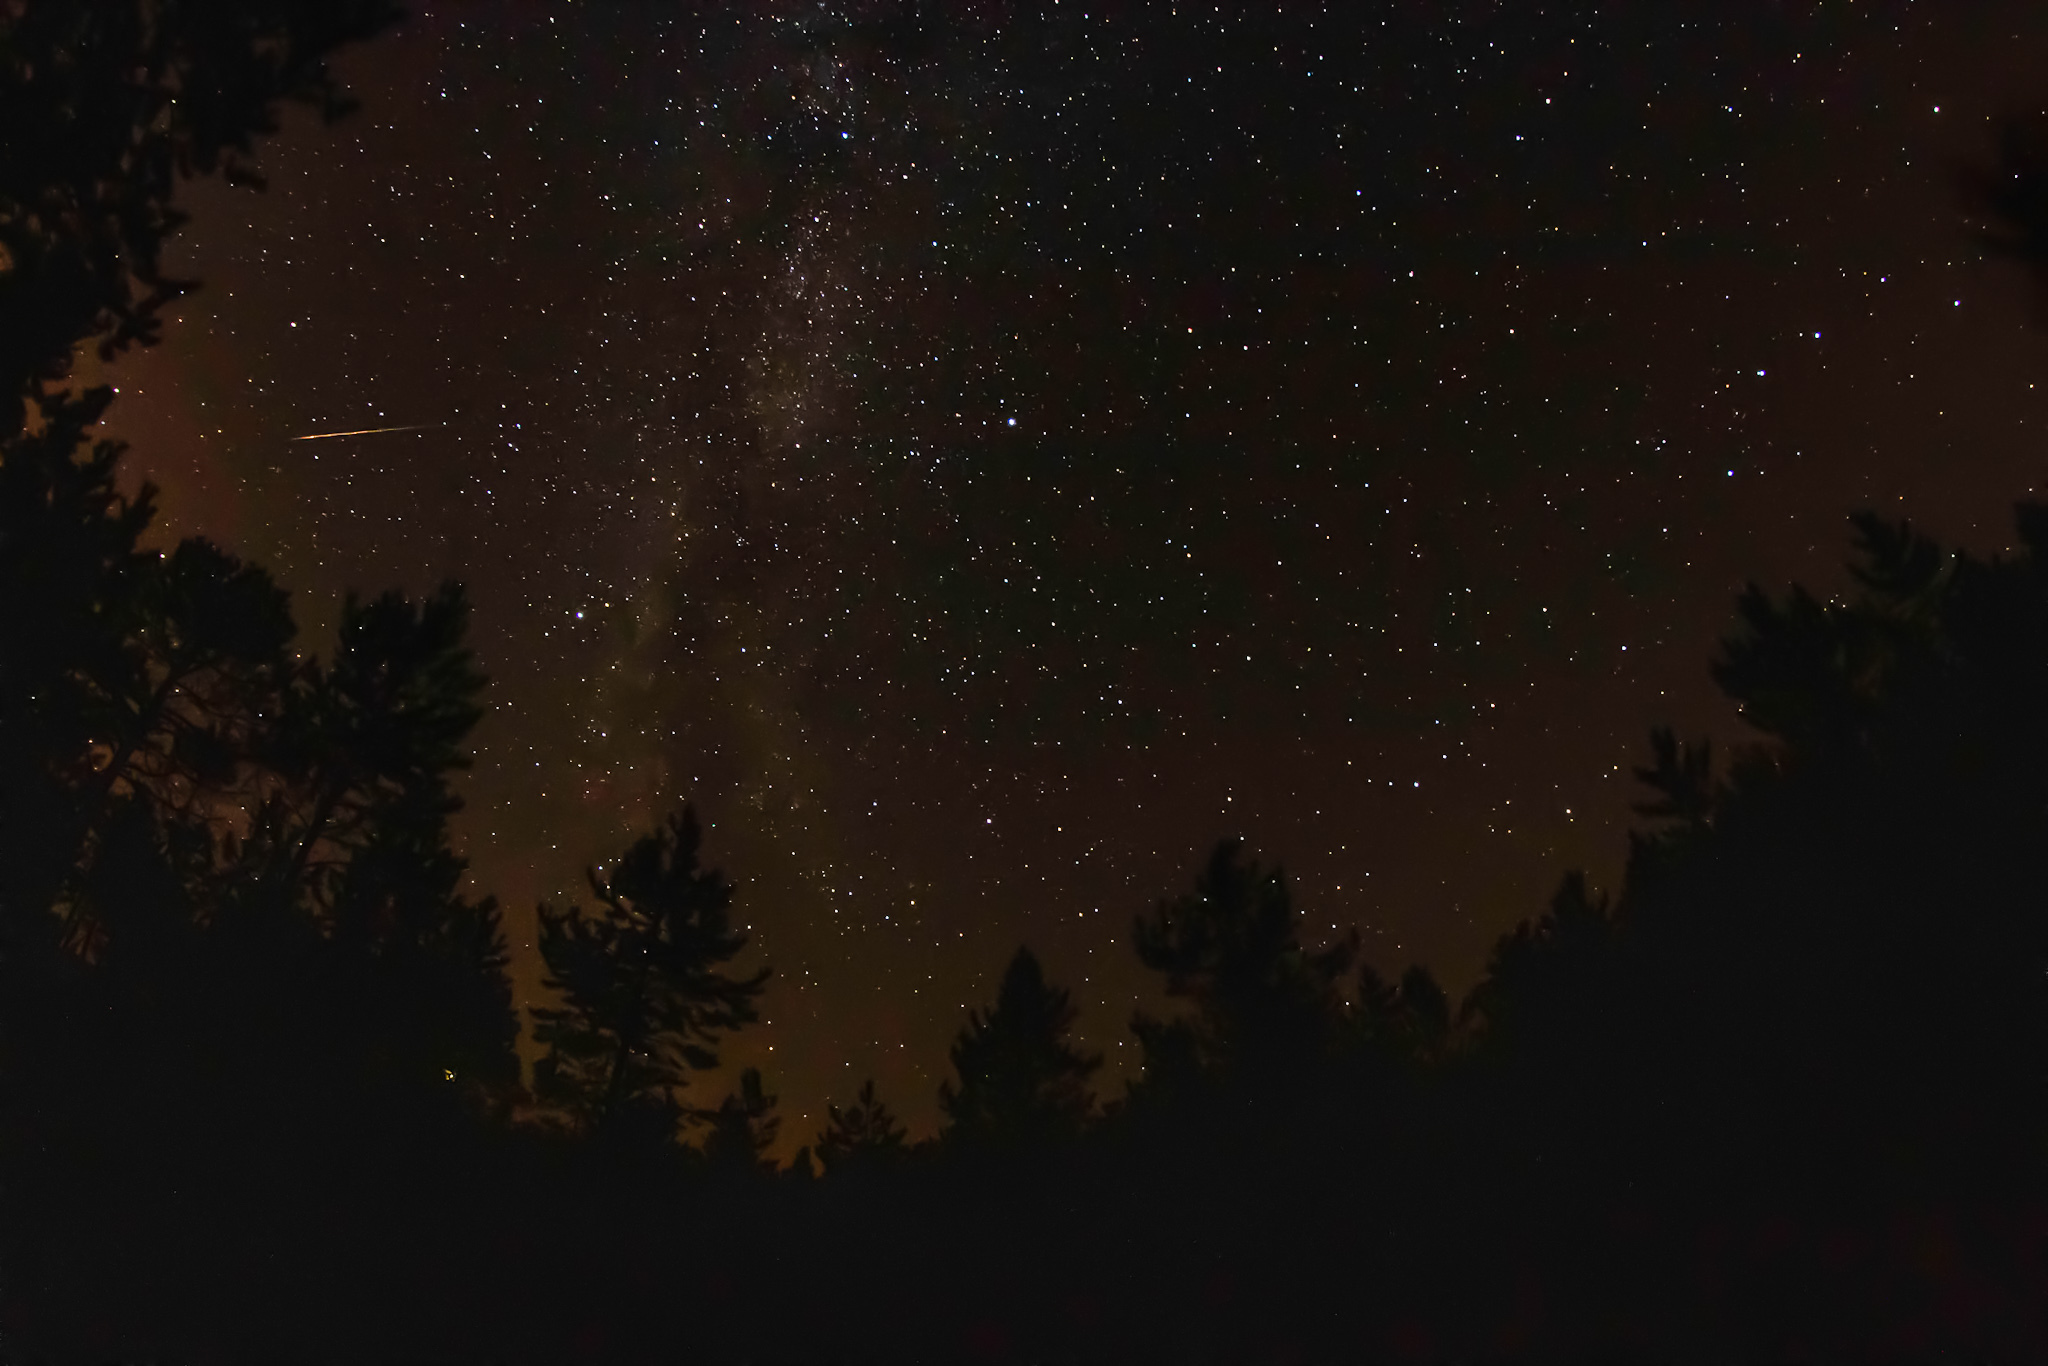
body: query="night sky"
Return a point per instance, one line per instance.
(983, 460)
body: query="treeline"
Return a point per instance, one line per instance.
(1787, 1087)
(1784, 1091)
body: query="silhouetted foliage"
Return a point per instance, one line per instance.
(644, 993)
(1549, 983)
(864, 1132)
(1232, 949)
(742, 1128)
(1409, 1021)
(1020, 1083)
(1875, 846)
(255, 933)
(233, 940)
(69, 563)
(170, 770)
(107, 107)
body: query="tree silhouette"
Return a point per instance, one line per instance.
(169, 770)
(1880, 844)
(864, 1132)
(107, 108)
(742, 1128)
(1549, 984)
(1231, 948)
(1876, 844)
(69, 561)
(233, 938)
(1409, 1021)
(365, 746)
(349, 830)
(1021, 1083)
(644, 994)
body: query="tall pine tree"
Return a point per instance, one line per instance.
(1232, 949)
(1021, 1084)
(645, 995)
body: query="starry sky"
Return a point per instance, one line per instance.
(983, 455)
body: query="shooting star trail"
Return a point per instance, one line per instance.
(366, 431)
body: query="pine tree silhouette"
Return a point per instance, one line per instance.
(742, 1128)
(1409, 1021)
(1875, 844)
(1020, 1083)
(228, 896)
(107, 108)
(863, 1133)
(70, 562)
(645, 997)
(1549, 985)
(1231, 948)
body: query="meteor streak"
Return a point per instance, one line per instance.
(366, 431)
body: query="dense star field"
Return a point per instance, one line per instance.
(981, 456)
